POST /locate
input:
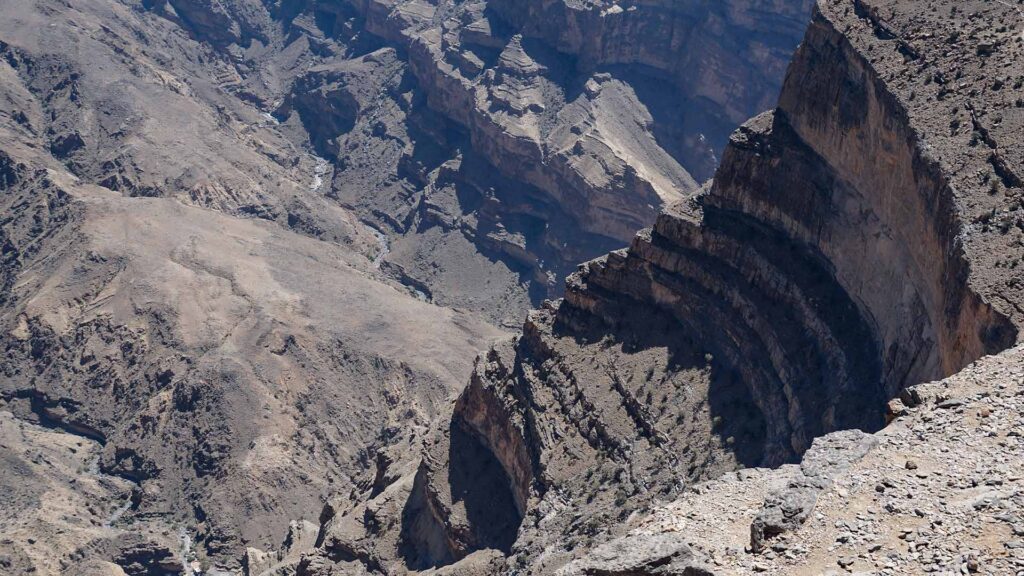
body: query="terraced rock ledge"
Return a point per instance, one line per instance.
(863, 237)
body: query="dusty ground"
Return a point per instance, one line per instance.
(940, 493)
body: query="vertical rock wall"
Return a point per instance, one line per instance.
(839, 256)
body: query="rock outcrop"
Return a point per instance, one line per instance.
(252, 248)
(657, 555)
(859, 239)
(936, 491)
(543, 134)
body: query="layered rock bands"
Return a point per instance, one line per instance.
(844, 251)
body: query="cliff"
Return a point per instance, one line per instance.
(560, 127)
(861, 238)
(249, 250)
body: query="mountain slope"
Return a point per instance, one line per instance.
(862, 238)
(250, 249)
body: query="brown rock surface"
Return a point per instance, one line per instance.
(525, 146)
(248, 251)
(251, 248)
(237, 371)
(858, 240)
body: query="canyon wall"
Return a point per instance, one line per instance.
(858, 239)
(250, 249)
(560, 128)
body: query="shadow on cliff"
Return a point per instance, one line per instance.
(479, 513)
(733, 419)
(478, 481)
(519, 226)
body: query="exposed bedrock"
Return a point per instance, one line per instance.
(529, 83)
(582, 429)
(838, 257)
(724, 52)
(220, 22)
(585, 119)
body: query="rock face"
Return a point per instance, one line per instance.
(542, 134)
(829, 260)
(861, 238)
(250, 249)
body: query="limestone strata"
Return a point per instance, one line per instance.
(724, 52)
(841, 254)
(828, 262)
(586, 118)
(609, 181)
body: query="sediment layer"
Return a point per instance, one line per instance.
(845, 250)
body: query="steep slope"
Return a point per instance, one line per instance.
(174, 289)
(250, 249)
(487, 137)
(863, 237)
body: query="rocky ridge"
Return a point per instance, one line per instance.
(249, 251)
(860, 239)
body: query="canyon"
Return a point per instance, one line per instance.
(833, 262)
(266, 265)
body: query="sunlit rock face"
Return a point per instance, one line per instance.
(843, 252)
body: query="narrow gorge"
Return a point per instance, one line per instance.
(835, 260)
(264, 269)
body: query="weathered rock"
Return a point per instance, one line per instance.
(828, 457)
(238, 321)
(834, 262)
(521, 162)
(660, 555)
(301, 538)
